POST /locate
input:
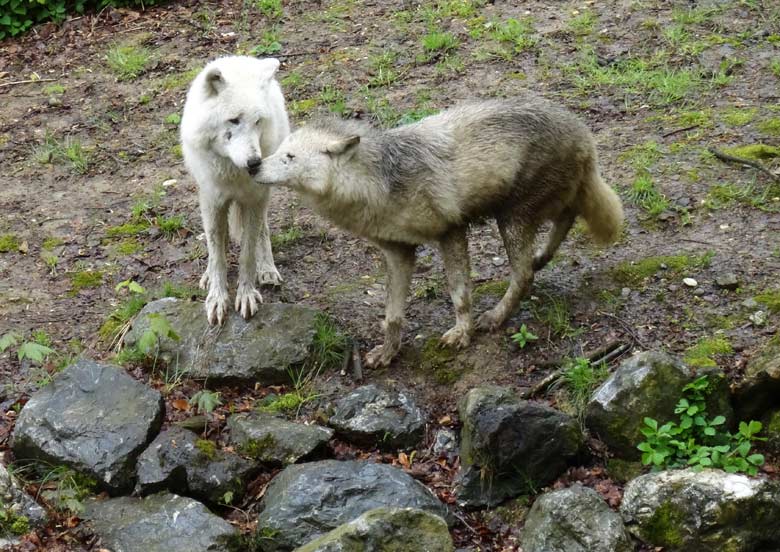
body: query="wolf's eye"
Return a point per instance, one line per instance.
(234, 121)
(290, 156)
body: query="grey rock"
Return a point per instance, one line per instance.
(307, 500)
(15, 503)
(179, 462)
(276, 441)
(92, 417)
(265, 348)
(509, 445)
(648, 384)
(445, 442)
(158, 523)
(758, 318)
(749, 303)
(727, 281)
(703, 511)
(575, 519)
(759, 389)
(772, 431)
(386, 530)
(372, 416)
(711, 59)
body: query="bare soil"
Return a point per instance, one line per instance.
(712, 79)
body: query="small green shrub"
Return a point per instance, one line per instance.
(697, 440)
(523, 337)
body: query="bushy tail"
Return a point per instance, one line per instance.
(601, 207)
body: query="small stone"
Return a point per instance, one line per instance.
(749, 303)
(54, 101)
(169, 182)
(758, 318)
(498, 261)
(308, 259)
(698, 292)
(690, 282)
(625, 293)
(445, 442)
(727, 281)
(673, 287)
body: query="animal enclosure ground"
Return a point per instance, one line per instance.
(93, 191)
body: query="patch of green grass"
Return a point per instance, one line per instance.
(125, 312)
(770, 126)
(414, 115)
(335, 100)
(516, 34)
(271, 9)
(173, 119)
(78, 156)
(181, 80)
(491, 289)
(701, 118)
(739, 116)
(727, 194)
(633, 273)
(583, 24)
(288, 236)
(439, 42)
(180, 291)
(770, 299)
(555, 313)
(127, 61)
(53, 89)
(758, 152)
(702, 354)
(774, 67)
(436, 359)
(170, 226)
(287, 402)
(383, 112)
(382, 68)
(127, 229)
(458, 8)
(693, 16)
(576, 385)
(293, 80)
(329, 345)
(50, 243)
(303, 107)
(128, 246)
(642, 156)
(676, 35)
(644, 193)
(85, 279)
(8, 243)
(269, 43)
(46, 151)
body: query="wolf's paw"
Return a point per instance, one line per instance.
(204, 280)
(380, 356)
(247, 299)
(490, 321)
(457, 336)
(269, 276)
(216, 307)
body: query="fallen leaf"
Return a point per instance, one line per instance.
(181, 404)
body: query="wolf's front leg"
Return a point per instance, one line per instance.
(247, 296)
(214, 213)
(455, 253)
(266, 269)
(400, 266)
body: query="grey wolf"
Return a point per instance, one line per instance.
(520, 161)
(234, 115)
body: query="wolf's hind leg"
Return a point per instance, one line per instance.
(267, 274)
(400, 266)
(454, 251)
(558, 233)
(518, 236)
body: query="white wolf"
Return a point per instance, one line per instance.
(520, 161)
(233, 117)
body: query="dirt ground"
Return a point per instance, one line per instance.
(93, 182)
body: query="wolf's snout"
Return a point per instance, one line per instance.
(253, 165)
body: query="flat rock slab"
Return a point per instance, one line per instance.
(159, 523)
(263, 349)
(703, 511)
(181, 463)
(276, 441)
(371, 416)
(510, 446)
(648, 384)
(307, 500)
(386, 530)
(575, 519)
(92, 417)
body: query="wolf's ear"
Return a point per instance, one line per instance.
(339, 147)
(215, 82)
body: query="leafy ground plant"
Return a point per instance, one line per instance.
(699, 441)
(523, 337)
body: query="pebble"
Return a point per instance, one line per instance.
(727, 281)
(758, 318)
(749, 303)
(698, 292)
(498, 261)
(674, 287)
(690, 282)
(625, 293)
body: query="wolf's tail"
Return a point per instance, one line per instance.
(235, 225)
(600, 206)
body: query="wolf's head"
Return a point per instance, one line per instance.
(232, 93)
(308, 157)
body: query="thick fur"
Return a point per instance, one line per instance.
(233, 117)
(522, 161)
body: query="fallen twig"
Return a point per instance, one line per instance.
(742, 161)
(26, 81)
(679, 130)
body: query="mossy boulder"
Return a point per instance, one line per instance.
(94, 418)
(162, 522)
(276, 441)
(386, 530)
(575, 519)
(372, 416)
(759, 390)
(648, 384)
(180, 462)
(510, 446)
(703, 511)
(265, 348)
(19, 513)
(772, 431)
